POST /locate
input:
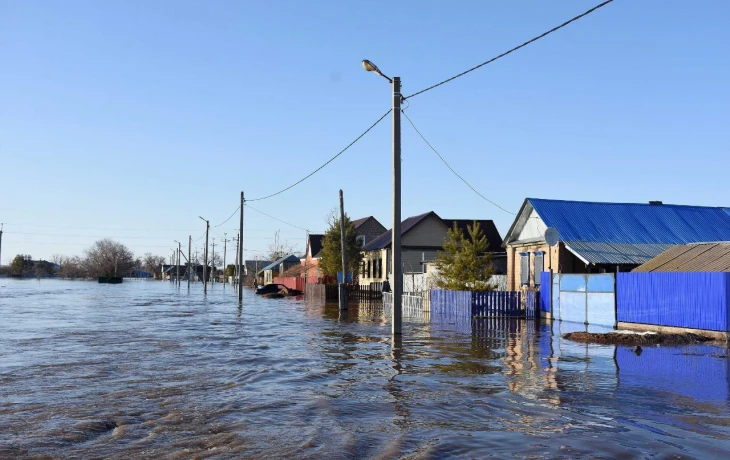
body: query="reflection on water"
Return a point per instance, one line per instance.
(145, 370)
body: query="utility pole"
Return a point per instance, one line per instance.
(240, 252)
(235, 269)
(205, 257)
(1, 243)
(190, 260)
(225, 268)
(343, 284)
(177, 269)
(212, 268)
(397, 314)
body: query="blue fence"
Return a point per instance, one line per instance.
(496, 304)
(450, 303)
(545, 294)
(691, 300)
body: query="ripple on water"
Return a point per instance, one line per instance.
(145, 370)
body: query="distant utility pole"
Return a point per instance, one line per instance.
(235, 269)
(190, 260)
(225, 268)
(240, 253)
(343, 285)
(205, 257)
(177, 269)
(1, 243)
(212, 268)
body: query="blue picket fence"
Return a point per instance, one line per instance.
(496, 304)
(483, 304)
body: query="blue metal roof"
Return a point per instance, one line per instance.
(633, 223)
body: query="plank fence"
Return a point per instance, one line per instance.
(486, 304)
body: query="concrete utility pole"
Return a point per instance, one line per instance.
(240, 253)
(212, 268)
(397, 284)
(235, 269)
(343, 284)
(225, 268)
(205, 257)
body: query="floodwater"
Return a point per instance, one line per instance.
(146, 370)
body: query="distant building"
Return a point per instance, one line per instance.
(279, 266)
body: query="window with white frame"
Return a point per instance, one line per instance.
(539, 264)
(525, 268)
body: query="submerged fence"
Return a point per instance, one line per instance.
(483, 304)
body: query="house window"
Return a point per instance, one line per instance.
(368, 268)
(539, 266)
(525, 268)
(380, 268)
(361, 239)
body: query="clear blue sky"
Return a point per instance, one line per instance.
(128, 119)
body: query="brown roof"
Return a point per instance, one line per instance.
(699, 257)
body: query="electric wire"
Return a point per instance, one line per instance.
(452, 169)
(532, 40)
(325, 164)
(229, 217)
(275, 218)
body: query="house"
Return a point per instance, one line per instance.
(312, 256)
(278, 266)
(697, 257)
(367, 228)
(422, 237)
(602, 237)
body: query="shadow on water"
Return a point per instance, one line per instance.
(147, 370)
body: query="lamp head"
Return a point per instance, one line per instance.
(370, 67)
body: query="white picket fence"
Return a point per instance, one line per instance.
(412, 305)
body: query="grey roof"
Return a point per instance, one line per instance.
(276, 263)
(315, 243)
(487, 226)
(383, 241)
(615, 253)
(701, 257)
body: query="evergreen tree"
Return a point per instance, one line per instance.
(465, 264)
(331, 261)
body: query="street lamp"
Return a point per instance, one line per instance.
(397, 284)
(205, 256)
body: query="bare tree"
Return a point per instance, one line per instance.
(108, 258)
(279, 249)
(153, 264)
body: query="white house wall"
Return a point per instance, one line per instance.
(533, 229)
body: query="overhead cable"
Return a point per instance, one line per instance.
(532, 40)
(325, 164)
(452, 169)
(275, 218)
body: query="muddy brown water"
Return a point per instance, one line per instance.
(144, 370)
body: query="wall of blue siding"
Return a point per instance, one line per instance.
(692, 300)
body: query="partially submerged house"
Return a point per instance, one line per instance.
(422, 237)
(602, 237)
(277, 267)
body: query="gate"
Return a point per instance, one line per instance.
(588, 299)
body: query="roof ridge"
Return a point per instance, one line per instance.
(616, 203)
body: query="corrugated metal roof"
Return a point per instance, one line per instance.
(615, 253)
(706, 257)
(634, 223)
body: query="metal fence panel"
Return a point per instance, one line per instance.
(691, 300)
(545, 291)
(601, 308)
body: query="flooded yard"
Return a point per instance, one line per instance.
(146, 370)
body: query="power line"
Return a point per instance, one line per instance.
(325, 164)
(275, 218)
(514, 49)
(452, 169)
(229, 217)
